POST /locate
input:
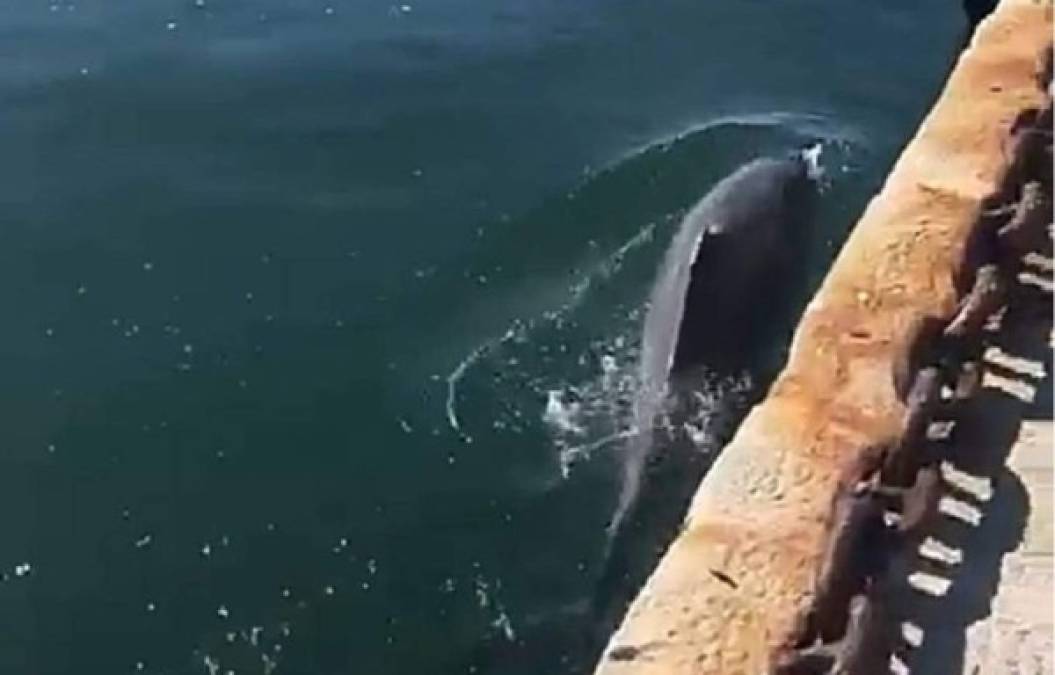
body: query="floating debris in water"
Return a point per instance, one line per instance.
(144, 541)
(223, 612)
(23, 569)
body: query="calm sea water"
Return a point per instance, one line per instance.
(318, 314)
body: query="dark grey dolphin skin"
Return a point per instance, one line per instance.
(725, 262)
(719, 280)
(725, 281)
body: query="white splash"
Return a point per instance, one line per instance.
(812, 157)
(519, 330)
(562, 413)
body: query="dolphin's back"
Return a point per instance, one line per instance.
(724, 247)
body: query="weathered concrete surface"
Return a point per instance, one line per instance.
(728, 591)
(977, 600)
(1016, 637)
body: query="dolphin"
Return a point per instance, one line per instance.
(723, 283)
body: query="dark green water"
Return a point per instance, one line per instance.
(289, 286)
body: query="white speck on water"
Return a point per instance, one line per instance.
(82, 289)
(417, 173)
(371, 566)
(206, 550)
(270, 527)
(51, 447)
(286, 593)
(144, 541)
(254, 635)
(151, 607)
(84, 71)
(140, 665)
(406, 9)
(230, 636)
(171, 25)
(222, 612)
(211, 664)
(49, 332)
(339, 323)
(148, 266)
(200, 4)
(405, 426)
(328, 10)
(224, 541)
(188, 348)
(23, 569)
(329, 590)
(249, 296)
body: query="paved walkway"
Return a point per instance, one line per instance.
(1017, 636)
(978, 598)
